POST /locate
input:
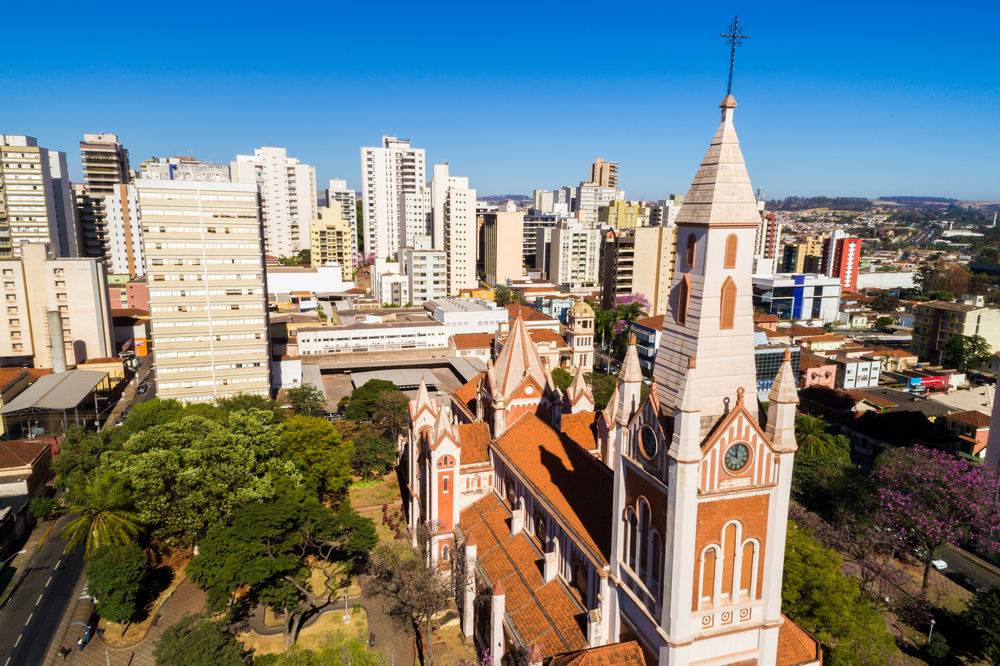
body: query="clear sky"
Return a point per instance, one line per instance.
(835, 98)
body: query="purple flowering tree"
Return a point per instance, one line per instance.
(628, 309)
(931, 498)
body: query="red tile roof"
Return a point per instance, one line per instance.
(565, 478)
(618, 654)
(767, 318)
(655, 323)
(19, 453)
(582, 429)
(795, 646)
(973, 418)
(472, 340)
(465, 396)
(35, 373)
(543, 614)
(546, 335)
(475, 440)
(516, 310)
(8, 375)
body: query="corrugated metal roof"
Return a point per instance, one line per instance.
(403, 378)
(63, 390)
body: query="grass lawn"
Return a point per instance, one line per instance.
(375, 493)
(329, 627)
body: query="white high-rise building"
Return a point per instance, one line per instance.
(574, 255)
(415, 218)
(426, 270)
(28, 209)
(542, 201)
(205, 273)
(453, 220)
(64, 203)
(339, 196)
(288, 197)
(387, 173)
(124, 238)
(590, 198)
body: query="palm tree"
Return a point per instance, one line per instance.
(812, 437)
(103, 504)
(630, 313)
(604, 325)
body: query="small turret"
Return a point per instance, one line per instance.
(629, 385)
(782, 400)
(686, 446)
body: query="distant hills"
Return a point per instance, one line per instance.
(505, 197)
(849, 204)
(919, 200)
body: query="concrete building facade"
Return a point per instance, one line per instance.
(542, 201)
(590, 198)
(38, 284)
(207, 294)
(288, 196)
(35, 207)
(122, 238)
(504, 247)
(105, 163)
(604, 174)
(332, 238)
(184, 168)
(387, 173)
(937, 322)
(640, 262)
(426, 270)
(797, 296)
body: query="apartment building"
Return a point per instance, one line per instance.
(184, 168)
(333, 233)
(121, 240)
(805, 256)
(387, 173)
(454, 227)
(416, 216)
(621, 215)
(664, 212)
(767, 246)
(39, 283)
(105, 163)
(844, 257)
(532, 223)
(426, 270)
(338, 194)
(503, 233)
(542, 201)
(640, 261)
(604, 174)
(207, 296)
(590, 198)
(574, 255)
(288, 197)
(936, 322)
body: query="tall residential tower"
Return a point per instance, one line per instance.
(387, 173)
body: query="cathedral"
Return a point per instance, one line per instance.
(652, 531)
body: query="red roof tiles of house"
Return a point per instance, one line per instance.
(21, 452)
(472, 340)
(655, 323)
(475, 439)
(582, 429)
(764, 318)
(516, 310)
(545, 335)
(795, 646)
(618, 654)
(972, 417)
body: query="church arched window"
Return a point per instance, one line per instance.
(706, 586)
(642, 534)
(692, 244)
(728, 304)
(748, 569)
(730, 260)
(630, 539)
(730, 543)
(540, 529)
(656, 561)
(445, 553)
(580, 581)
(683, 298)
(508, 486)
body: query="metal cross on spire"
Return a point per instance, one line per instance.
(734, 38)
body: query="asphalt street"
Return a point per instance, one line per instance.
(959, 560)
(31, 618)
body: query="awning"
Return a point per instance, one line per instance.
(59, 391)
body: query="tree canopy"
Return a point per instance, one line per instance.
(195, 641)
(104, 517)
(363, 401)
(306, 400)
(812, 438)
(968, 352)
(983, 616)
(316, 448)
(502, 295)
(114, 577)
(885, 303)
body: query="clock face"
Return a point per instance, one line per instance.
(648, 442)
(737, 457)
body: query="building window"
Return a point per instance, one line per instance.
(691, 245)
(728, 304)
(730, 261)
(683, 297)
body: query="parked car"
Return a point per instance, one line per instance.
(939, 564)
(142, 388)
(966, 581)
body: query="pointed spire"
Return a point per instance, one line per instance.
(629, 385)
(442, 426)
(579, 389)
(631, 370)
(423, 399)
(686, 445)
(782, 399)
(518, 359)
(783, 390)
(688, 398)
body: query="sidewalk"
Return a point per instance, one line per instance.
(39, 533)
(129, 393)
(187, 599)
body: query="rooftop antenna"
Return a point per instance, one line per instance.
(734, 38)
(760, 194)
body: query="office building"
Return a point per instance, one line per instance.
(105, 163)
(375, 331)
(205, 273)
(664, 212)
(810, 296)
(937, 322)
(590, 198)
(34, 206)
(36, 286)
(805, 256)
(121, 241)
(338, 194)
(532, 223)
(843, 256)
(622, 215)
(640, 261)
(542, 202)
(604, 174)
(184, 168)
(288, 197)
(426, 270)
(574, 255)
(387, 173)
(504, 253)
(469, 315)
(767, 246)
(453, 226)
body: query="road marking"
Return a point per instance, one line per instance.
(48, 581)
(29, 619)
(39, 600)
(58, 563)
(16, 642)
(8, 661)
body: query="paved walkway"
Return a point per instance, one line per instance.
(186, 599)
(391, 633)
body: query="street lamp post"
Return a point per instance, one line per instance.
(20, 552)
(931, 632)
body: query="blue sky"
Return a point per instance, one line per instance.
(835, 99)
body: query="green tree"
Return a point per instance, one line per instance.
(43, 507)
(104, 516)
(304, 256)
(983, 616)
(944, 296)
(604, 326)
(321, 454)
(883, 322)
(114, 577)
(269, 546)
(364, 400)
(813, 439)
(828, 327)
(502, 295)
(80, 454)
(373, 457)
(195, 641)
(190, 475)
(968, 352)
(392, 412)
(244, 401)
(885, 303)
(306, 400)
(561, 378)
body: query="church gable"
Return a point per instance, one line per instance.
(737, 455)
(647, 440)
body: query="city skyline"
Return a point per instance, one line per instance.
(851, 104)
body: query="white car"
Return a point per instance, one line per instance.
(939, 564)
